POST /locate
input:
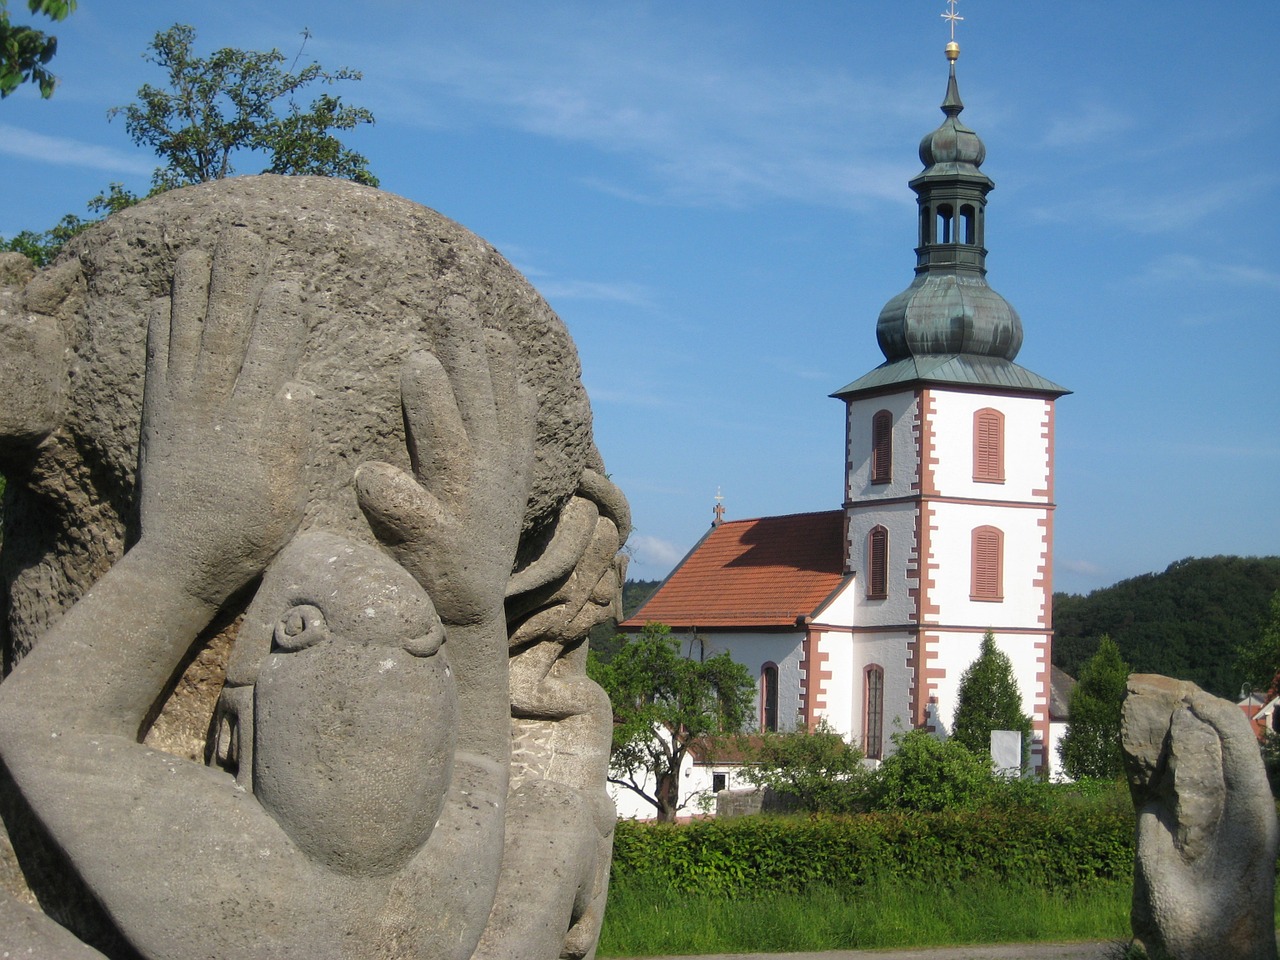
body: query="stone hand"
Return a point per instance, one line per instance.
(225, 435)
(455, 522)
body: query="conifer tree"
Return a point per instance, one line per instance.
(989, 700)
(1091, 745)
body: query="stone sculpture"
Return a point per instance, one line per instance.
(1207, 834)
(329, 442)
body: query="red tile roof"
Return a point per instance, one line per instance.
(752, 573)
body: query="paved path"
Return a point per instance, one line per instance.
(1094, 950)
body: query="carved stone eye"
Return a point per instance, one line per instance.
(300, 627)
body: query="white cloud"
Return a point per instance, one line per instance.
(629, 293)
(700, 121)
(1186, 268)
(17, 142)
(1147, 213)
(654, 553)
(1089, 125)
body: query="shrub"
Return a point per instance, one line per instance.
(988, 700)
(1061, 848)
(931, 775)
(822, 771)
(1091, 747)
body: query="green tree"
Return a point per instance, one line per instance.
(1187, 621)
(219, 107)
(664, 703)
(42, 248)
(819, 768)
(1091, 745)
(239, 101)
(25, 52)
(931, 775)
(989, 700)
(1259, 661)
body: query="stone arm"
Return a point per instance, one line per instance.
(224, 440)
(454, 522)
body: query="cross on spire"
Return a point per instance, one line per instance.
(952, 17)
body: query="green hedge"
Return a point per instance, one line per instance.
(1057, 848)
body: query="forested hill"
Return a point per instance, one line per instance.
(1186, 622)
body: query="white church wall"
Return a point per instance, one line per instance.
(1057, 730)
(835, 652)
(952, 653)
(1026, 446)
(888, 650)
(1024, 561)
(842, 609)
(858, 455)
(697, 797)
(899, 519)
(753, 650)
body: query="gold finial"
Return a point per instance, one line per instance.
(953, 48)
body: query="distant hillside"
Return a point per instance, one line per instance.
(636, 592)
(1185, 622)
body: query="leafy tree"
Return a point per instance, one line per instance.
(229, 103)
(930, 775)
(217, 108)
(25, 51)
(42, 248)
(664, 703)
(989, 700)
(1187, 621)
(819, 768)
(1260, 660)
(1091, 745)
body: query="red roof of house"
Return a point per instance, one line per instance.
(752, 573)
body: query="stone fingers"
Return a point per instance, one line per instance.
(399, 509)
(235, 283)
(186, 316)
(514, 408)
(439, 449)
(274, 345)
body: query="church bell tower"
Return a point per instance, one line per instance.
(949, 462)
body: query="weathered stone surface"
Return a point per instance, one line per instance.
(348, 419)
(377, 276)
(26, 932)
(1207, 833)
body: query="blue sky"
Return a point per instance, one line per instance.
(713, 196)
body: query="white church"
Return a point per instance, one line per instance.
(867, 616)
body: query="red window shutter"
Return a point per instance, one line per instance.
(988, 445)
(987, 575)
(882, 447)
(878, 563)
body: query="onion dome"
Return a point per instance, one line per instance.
(949, 307)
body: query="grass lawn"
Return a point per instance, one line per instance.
(657, 922)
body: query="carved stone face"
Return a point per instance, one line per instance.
(354, 708)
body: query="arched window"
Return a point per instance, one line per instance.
(769, 698)
(877, 563)
(988, 564)
(873, 726)
(946, 220)
(988, 446)
(882, 447)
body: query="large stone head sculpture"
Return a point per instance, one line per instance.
(378, 276)
(363, 723)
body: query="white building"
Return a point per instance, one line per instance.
(867, 616)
